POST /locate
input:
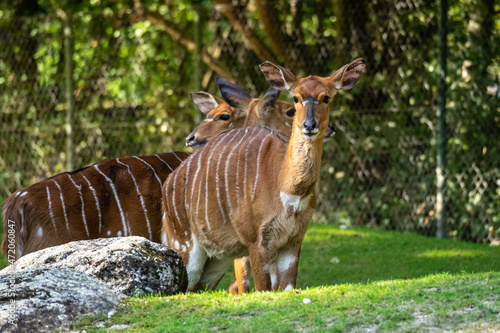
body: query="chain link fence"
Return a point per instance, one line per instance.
(135, 67)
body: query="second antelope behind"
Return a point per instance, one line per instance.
(252, 190)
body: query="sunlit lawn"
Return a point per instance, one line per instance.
(356, 279)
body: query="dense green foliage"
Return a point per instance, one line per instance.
(137, 61)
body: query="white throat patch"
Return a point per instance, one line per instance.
(295, 201)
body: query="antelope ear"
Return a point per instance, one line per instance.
(278, 77)
(347, 76)
(268, 102)
(233, 95)
(205, 101)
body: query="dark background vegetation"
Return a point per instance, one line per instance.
(135, 63)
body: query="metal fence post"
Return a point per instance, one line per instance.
(441, 113)
(70, 99)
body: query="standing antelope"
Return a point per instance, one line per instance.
(115, 197)
(264, 111)
(251, 191)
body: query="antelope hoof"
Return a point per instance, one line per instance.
(233, 288)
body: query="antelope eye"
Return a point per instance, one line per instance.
(326, 99)
(224, 117)
(295, 99)
(290, 113)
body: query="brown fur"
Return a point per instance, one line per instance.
(216, 222)
(31, 212)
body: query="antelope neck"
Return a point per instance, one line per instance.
(301, 166)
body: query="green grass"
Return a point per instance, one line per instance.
(357, 279)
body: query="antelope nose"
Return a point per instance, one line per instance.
(309, 126)
(189, 139)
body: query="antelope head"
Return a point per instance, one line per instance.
(220, 117)
(312, 94)
(265, 111)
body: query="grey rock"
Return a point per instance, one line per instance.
(130, 265)
(43, 300)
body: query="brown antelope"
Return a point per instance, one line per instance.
(264, 111)
(115, 197)
(251, 190)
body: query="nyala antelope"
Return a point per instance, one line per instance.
(251, 190)
(245, 111)
(113, 198)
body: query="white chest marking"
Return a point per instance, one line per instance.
(285, 261)
(295, 201)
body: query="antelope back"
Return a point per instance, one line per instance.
(115, 197)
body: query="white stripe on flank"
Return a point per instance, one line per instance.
(173, 152)
(63, 204)
(23, 194)
(161, 159)
(140, 198)
(193, 185)
(50, 208)
(212, 149)
(173, 194)
(237, 185)
(166, 203)
(98, 206)
(186, 202)
(116, 198)
(154, 171)
(79, 187)
(227, 166)
(258, 165)
(217, 189)
(246, 164)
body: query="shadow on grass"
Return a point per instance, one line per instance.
(334, 256)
